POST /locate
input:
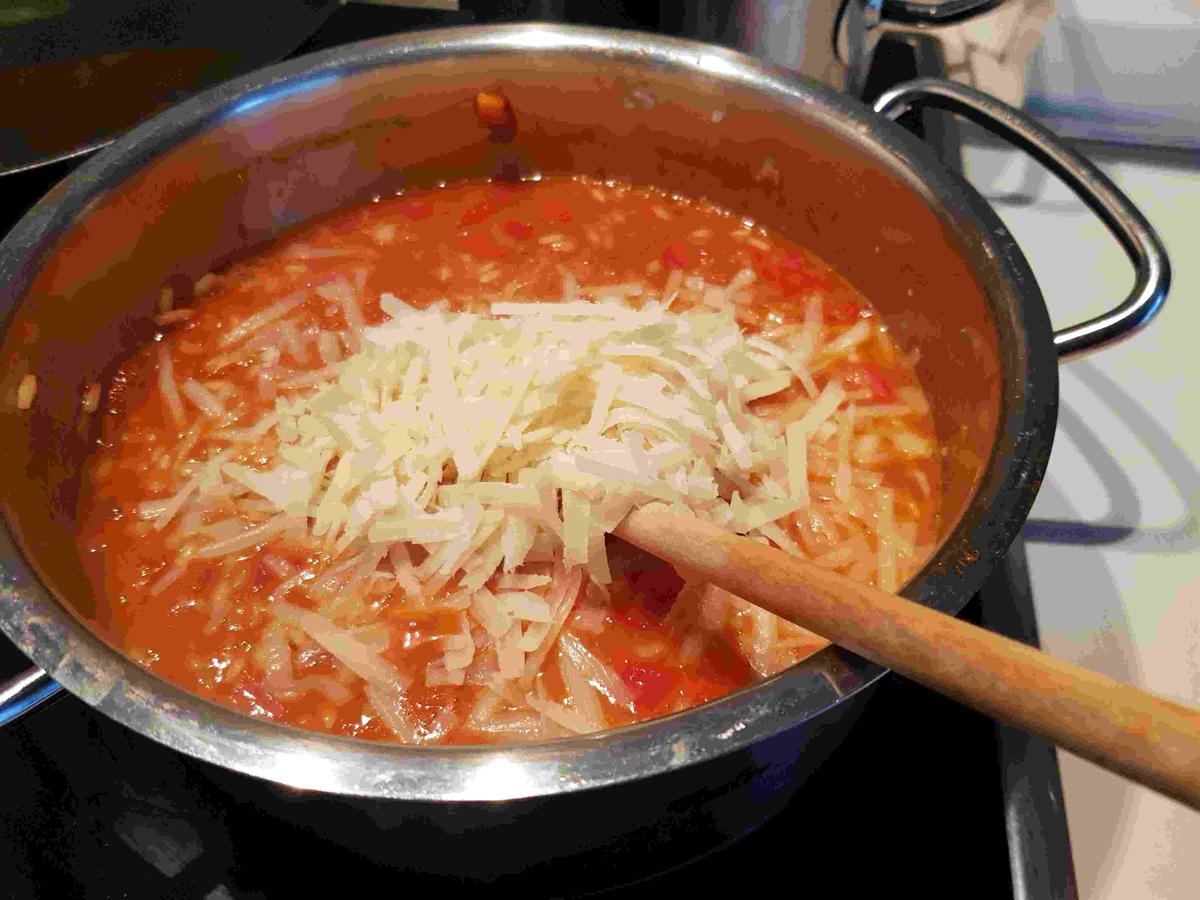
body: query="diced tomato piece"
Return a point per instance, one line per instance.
(869, 376)
(676, 255)
(481, 246)
(556, 211)
(519, 230)
(648, 684)
(493, 108)
(416, 210)
(655, 589)
(477, 212)
(840, 312)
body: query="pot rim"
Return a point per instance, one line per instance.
(122, 690)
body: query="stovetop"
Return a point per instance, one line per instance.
(923, 795)
(91, 808)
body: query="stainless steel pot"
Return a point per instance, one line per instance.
(233, 167)
(833, 41)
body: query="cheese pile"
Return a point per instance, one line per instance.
(534, 431)
(476, 462)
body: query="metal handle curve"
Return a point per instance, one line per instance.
(948, 12)
(1123, 220)
(23, 692)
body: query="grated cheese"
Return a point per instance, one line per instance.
(450, 455)
(463, 391)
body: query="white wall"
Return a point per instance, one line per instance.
(1121, 69)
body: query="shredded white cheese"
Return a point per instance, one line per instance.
(478, 438)
(468, 451)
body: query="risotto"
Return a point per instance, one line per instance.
(361, 482)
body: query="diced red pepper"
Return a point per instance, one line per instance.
(676, 255)
(648, 684)
(556, 211)
(477, 212)
(791, 273)
(416, 210)
(481, 246)
(519, 230)
(869, 376)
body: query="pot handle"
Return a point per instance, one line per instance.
(23, 692)
(1093, 187)
(948, 12)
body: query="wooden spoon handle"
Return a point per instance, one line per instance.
(1153, 741)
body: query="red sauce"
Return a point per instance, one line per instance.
(469, 244)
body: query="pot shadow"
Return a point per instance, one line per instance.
(1032, 179)
(1082, 612)
(1121, 518)
(1121, 523)
(1081, 619)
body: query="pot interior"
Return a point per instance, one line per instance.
(214, 179)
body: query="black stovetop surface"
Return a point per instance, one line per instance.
(920, 798)
(912, 800)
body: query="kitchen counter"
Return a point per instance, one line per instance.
(1114, 538)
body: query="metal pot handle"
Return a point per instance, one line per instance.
(23, 692)
(1093, 187)
(948, 12)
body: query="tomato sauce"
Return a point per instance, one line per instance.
(203, 628)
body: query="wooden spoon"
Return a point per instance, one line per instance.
(1150, 740)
